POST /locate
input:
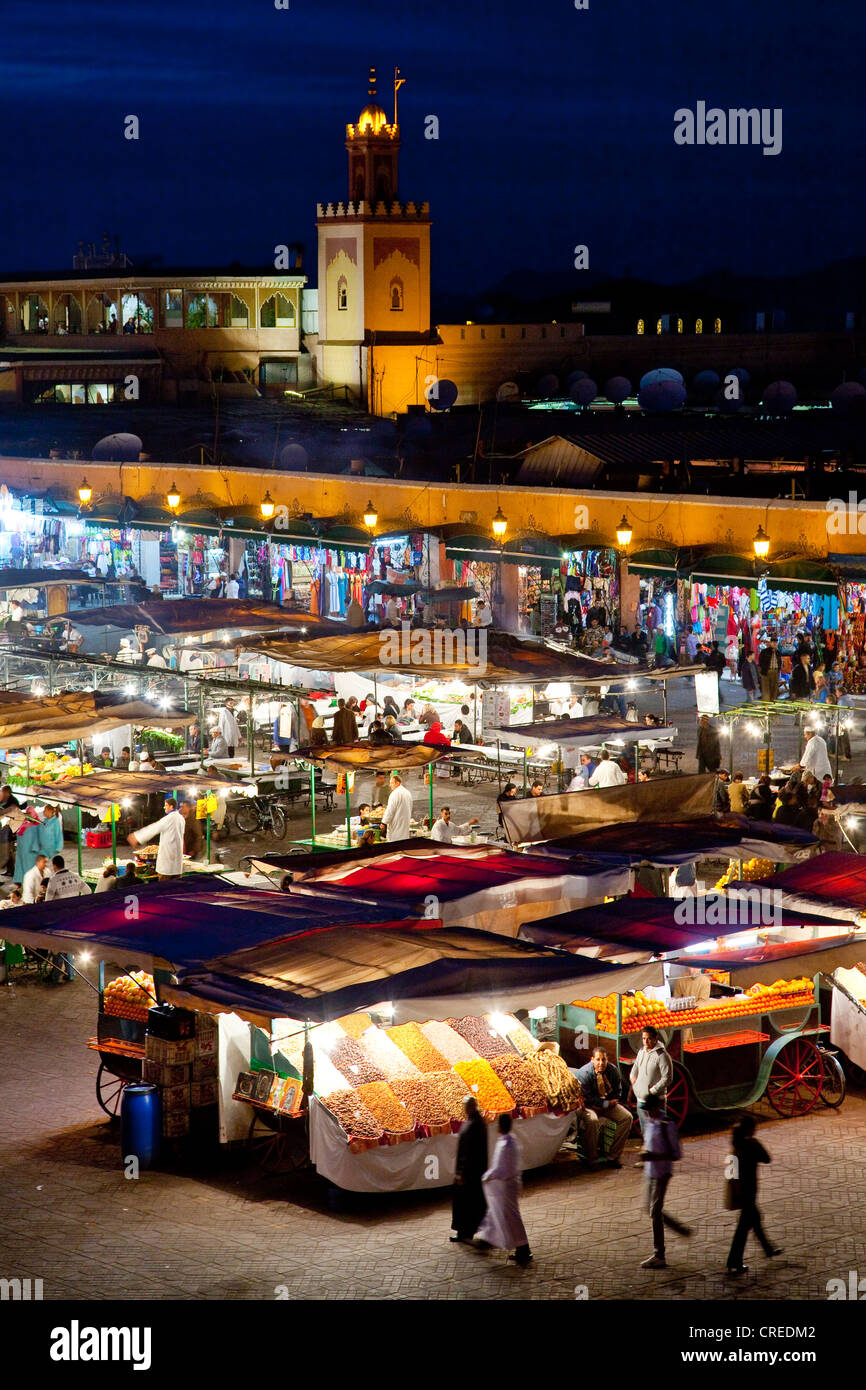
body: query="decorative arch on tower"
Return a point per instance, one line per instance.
(342, 293)
(395, 295)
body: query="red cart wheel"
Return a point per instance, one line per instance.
(796, 1078)
(677, 1100)
(109, 1091)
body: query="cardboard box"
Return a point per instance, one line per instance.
(175, 1098)
(204, 1069)
(175, 1125)
(206, 1045)
(170, 1053)
(160, 1074)
(205, 1024)
(204, 1093)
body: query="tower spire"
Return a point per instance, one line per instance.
(398, 83)
(371, 88)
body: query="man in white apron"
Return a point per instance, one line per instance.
(170, 828)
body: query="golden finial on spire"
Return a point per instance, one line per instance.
(371, 90)
(398, 83)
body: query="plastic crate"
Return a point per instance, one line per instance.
(98, 839)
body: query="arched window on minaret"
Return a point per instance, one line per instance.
(383, 187)
(396, 292)
(641, 327)
(717, 325)
(342, 293)
(699, 325)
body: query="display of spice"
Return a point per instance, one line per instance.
(355, 1024)
(384, 1106)
(422, 1100)
(485, 1085)
(561, 1088)
(516, 1033)
(326, 1078)
(418, 1049)
(450, 1044)
(450, 1090)
(520, 1079)
(482, 1036)
(349, 1057)
(353, 1115)
(386, 1054)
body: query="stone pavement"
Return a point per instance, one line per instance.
(219, 1229)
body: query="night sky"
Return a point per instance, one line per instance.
(556, 127)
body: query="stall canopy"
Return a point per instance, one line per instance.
(182, 923)
(762, 965)
(477, 886)
(479, 655)
(678, 841)
(174, 617)
(831, 885)
(655, 926)
(423, 969)
(579, 733)
(449, 594)
(363, 756)
(96, 788)
(381, 586)
(25, 722)
(665, 799)
(46, 579)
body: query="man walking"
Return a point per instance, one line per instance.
(768, 667)
(229, 727)
(345, 727)
(661, 1150)
(748, 1153)
(468, 1204)
(651, 1074)
(503, 1225)
(709, 749)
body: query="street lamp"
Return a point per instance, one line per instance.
(623, 533)
(371, 516)
(172, 497)
(85, 493)
(761, 544)
(499, 524)
(267, 506)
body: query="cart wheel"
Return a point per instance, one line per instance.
(677, 1101)
(109, 1091)
(796, 1078)
(279, 821)
(247, 818)
(834, 1086)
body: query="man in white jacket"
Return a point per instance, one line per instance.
(169, 860)
(398, 812)
(651, 1074)
(815, 758)
(229, 727)
(608, 773)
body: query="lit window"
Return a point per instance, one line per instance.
(172, 316)
(699, 325)
(342, 293)
(278, 312)
(717, 325)
(396, 296)
(641, 327)
(659, 326)
(679, 325)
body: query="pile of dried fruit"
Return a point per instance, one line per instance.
(384, 1106)
(482, 1036)
(353, 1115)
(519, 1035)
(560, 1087)
(354, 1024)
(326, 1078)
(387, 1055)
(418, 1049)
(421, 1100)
(520, 1079)
(485, 1085)
(449, 1089)
(349, 1057)
(450, 1044)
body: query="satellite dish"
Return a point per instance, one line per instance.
(441, 394)
(584, 392)
(617, 389)
(779, 397)
(706, 382)
(849, 396)
(508, 391)
(573, 378)
(740, 373)
(294, 456)
(547, 386)
(118, 448)
(659, 374)
(662, 396)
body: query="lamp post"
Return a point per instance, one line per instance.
(623, 540)
(172, 497)
(267, 507)
(85, 493)
(499, 526)
(761, 544)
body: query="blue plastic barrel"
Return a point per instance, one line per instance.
(140, 1124)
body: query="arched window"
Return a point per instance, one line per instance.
(699, 325)
(641, 327)
(717, 325)
(277, 312)
(240, 313)
(34, 314)
(8, 318)
(396, 295)
(659, 326)
(679, 325)
(201, 311)
(136, 312)
(66, 317)
(342, 293)
(101, 314)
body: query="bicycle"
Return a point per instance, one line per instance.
(262, 813)
(834, 1085)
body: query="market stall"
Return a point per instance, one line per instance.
(832, 886)
(647, 803)
(681, 841)
(756, 719)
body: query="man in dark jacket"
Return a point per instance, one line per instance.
(601, 1084)
(768, 669)
(714, 661)
(469, 1205)
(802, 682)
(345, 728)
(709, 750)
(748, 1153)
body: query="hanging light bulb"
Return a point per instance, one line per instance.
(172, 497)
(761, 544)
(267, 506)
(499, 524)
(85, 492)
(371, 516)
(623, 533)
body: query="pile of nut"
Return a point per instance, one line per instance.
(448, 1042)
(520, 1079)
(421, 1100)
(387, 1055)
(382, 1103)
(450, 1090)
(518, 1034)
(354, 1024)
(350, 1059)
(353, 1115)
(482, 1036)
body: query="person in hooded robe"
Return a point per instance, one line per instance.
(468, 1204)
(503, 1225)
(51, 832)
(28, 846)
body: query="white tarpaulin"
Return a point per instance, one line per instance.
(419, 1163)
(848, 1027)
(234, 1057)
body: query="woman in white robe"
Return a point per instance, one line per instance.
(503, 1225)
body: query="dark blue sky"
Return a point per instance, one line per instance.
(556, 127)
